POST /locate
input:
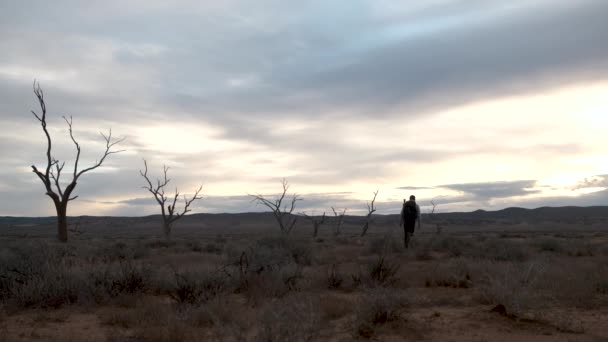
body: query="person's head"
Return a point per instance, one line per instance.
(412, 198)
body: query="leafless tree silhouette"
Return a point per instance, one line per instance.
(338, 220)
(158, 190)
(283, 214)
(51, 174)
(370, 211)
(316, 223)
(438, 225)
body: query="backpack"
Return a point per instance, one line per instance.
(409, 211)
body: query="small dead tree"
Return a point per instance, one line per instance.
(316, 223)
(338, 220)
(438, 225)
(167, 204)
(371, 209)
(283, 213)
(51, 174)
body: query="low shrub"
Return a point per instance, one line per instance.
(196, 287)
(378, 306)
(515, 285)
(114, 279)
(452, 273)
(383, 272)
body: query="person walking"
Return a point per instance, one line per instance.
(410, 214)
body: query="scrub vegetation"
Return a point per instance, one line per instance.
(213, 283)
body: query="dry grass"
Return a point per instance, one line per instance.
(274, 288)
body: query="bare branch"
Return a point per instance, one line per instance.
(167, 210)
(53, 171)
(55, 177)
(282, 214)
(338, 220)
(371, 209)
(107, 152)
(42, 118)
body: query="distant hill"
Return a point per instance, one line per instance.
(570, 215)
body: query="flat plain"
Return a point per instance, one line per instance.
(234, 278)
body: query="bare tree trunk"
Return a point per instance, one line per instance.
(62, 221)
(167, 230)
(370, 211)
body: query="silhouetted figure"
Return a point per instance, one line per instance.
(410, 213)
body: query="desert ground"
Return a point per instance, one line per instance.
(234, 279)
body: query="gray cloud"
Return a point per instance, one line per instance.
(244, 67)
(491, 190)
(599, 181)
(302, 65)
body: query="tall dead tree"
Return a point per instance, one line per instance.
(51, 174)
(316, 223)
(167, 204)
(283, 213)
(338, 220)
(371, 209)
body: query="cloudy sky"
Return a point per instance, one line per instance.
(478, 104)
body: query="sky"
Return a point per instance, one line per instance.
(472, 104)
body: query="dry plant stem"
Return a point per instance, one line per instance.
(51, 175)
(316, 223)
(282, 214)
(338, 220)
(370, 211)
(167, 204)
(437, 225)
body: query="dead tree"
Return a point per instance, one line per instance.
(338, 220)
(316, 223)
(167, 204)
(283, 214)
(370, 211)
(51, 174)
(438, 225)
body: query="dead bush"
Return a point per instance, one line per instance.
(378, 306)
(112, 280)
(282, 249)
(451, 273)
(51, 289)
(576, 283)
(383, 272)
(514, 285)
(34, 275)
(196, 287)
(272, 282)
